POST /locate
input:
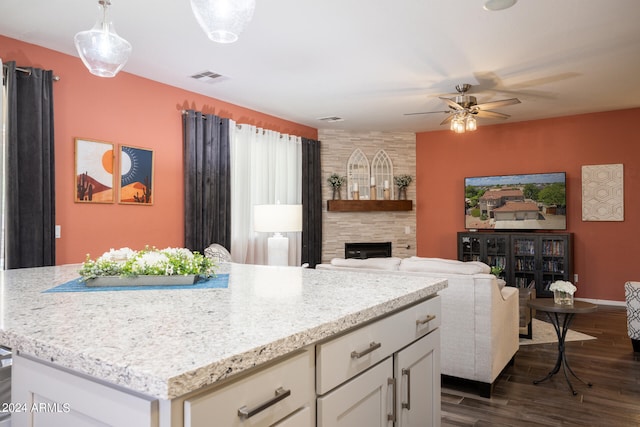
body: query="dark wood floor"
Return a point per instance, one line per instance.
(607, 362)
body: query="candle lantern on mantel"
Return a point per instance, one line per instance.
(372, 192)
(386, 191)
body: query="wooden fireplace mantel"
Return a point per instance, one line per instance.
(369, 205)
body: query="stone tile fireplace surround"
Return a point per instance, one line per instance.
(339, 228)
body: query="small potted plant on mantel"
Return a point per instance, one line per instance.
(336, 181)
(402, 182)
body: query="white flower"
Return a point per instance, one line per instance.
(150, 261)
(120, 255)
(563, 286)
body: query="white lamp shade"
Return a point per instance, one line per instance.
(223, 20)
(277, 218)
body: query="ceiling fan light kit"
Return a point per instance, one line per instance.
(494, 5)
(463, 110)
(102, 51)
(223, 20)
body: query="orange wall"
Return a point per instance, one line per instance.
(123, 110)
(604, 252)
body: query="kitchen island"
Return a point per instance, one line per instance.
(164, 348)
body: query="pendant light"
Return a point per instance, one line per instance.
(223, 20)
(102, 51)
(494, 5)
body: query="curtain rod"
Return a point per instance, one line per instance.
(239, 126)
(25, 70)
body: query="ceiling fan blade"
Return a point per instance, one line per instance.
(452, 104)
(447, 120)
(491, 115)
(496, 104)
(426, 112)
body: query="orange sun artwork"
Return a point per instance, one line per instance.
(94, 172)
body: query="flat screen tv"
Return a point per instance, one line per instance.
(534, 201)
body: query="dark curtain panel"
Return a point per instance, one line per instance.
(207, 181)
(311, 203)
(30, 226)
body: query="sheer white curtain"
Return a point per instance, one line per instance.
(266, 168)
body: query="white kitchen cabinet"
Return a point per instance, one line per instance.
(386, 373)
(417, 373)
(47, 396)
(363, 401)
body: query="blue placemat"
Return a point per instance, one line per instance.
(77, 285)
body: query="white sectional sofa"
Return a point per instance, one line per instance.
(480, 315)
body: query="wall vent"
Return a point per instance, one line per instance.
(206, 76)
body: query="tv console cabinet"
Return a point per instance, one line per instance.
(524, 257)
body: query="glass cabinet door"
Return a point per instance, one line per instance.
(470, 249)
(524, 261)
(496, 248)
(553, 261)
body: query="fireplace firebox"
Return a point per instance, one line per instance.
(367, 250)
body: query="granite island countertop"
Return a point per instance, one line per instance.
(166, 343)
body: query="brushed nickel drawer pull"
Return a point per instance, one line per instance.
(392, 416)
(246, 413)
(407, 405)
(428, 318)
(372, 346)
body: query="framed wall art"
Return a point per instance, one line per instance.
(136, 175)
(603, 192)
(94, 178)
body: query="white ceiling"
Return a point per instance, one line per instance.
(371, 61)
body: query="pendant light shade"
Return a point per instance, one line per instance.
(471, 123)
(223, 20)
(102, 51)
(494, 5)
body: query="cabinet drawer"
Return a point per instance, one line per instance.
(348, 355)
(266, 396)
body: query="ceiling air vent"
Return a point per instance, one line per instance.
(207, 76)
(331, 119)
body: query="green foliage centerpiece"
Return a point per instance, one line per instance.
(151, 266)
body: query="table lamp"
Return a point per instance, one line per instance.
(277, 219)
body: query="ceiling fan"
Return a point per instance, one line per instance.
(464, 108)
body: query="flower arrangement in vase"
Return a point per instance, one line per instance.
(336, 181)
(562, 292)
(402, 182)
(166, 266)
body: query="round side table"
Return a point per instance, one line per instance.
(553, 312)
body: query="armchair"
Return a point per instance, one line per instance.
(632, 297)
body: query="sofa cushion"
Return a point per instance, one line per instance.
(390, 263)
(440, 265)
